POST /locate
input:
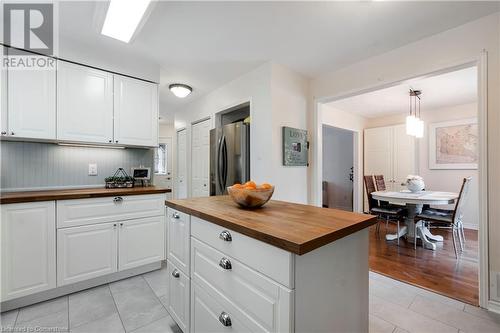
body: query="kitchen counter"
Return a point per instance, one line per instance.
(33, 196)
(293, 227)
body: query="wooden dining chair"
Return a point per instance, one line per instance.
(387, 213)
(450, 218)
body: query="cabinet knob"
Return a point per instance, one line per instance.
(225, 263)
(121, 224)
(176, 215)
(11, 133)
(110, 141)
(226, 236)
(175, 273)
(224, 319)
(4, 133)
(118, 199)
(116, 141)
(114, 225)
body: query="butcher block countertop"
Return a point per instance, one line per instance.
(293, 227)
(32, 196)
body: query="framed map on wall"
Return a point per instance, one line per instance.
(454, 144)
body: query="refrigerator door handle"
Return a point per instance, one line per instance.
(224, 163)
(219, 165)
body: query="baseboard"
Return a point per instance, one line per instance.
(78, 286)
(494, 306)
(471, 226)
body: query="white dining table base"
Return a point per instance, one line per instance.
(408, 229)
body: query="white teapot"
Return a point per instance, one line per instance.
(415, 183)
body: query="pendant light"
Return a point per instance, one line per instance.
(415, 125)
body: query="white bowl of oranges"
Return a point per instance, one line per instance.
(251, 195)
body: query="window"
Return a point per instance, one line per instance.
(161, 159)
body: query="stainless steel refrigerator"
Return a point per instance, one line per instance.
(229, 156)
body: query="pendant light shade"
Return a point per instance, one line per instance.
(415, 125)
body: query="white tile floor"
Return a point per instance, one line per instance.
(137, 305)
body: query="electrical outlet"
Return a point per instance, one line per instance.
(92, 169)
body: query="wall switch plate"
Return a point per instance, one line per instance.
(92, 169)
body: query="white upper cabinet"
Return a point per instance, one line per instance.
(84, 104)
(135, 112)
(31, 103)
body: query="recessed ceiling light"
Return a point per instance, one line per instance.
(180, 90)
(123, 17)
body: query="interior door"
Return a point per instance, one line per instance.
(84, 104)
(135, 112)
(200, 145)
(404, 157)
(32, 103)
(181, 192)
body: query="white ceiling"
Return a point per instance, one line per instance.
(445, 90)
(206, 44)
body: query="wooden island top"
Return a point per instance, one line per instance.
(293, 227)
(82, 193)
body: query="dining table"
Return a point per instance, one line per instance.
(414, 202)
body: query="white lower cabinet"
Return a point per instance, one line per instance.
(86, 252)
(178, 296)
(28, 248)
(141, 242)
(179, 232)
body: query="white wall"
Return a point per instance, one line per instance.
(338, 158)
(441, 180)
(450, 48)
(278, 97)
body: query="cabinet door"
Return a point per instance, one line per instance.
(86, 252)
(404, 156)
(84, 104)
(3, 94)
(28, 248)
(178, 296)
(179, 229)
(141, 242)
(32, 103)
(135, 112)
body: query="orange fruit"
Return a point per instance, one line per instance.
(238, 186)
(250, 186)
(250, 183)
(266, 186)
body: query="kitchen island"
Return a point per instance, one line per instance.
(284, 267)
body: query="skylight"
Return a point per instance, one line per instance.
(123, 17)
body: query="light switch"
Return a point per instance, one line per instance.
(92, 169)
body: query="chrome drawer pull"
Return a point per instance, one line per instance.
(224, 319)
(175, 273)
(118, 199)
(176, 215)
(225, 263)
(225, 236)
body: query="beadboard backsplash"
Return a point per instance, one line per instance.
(32, 166)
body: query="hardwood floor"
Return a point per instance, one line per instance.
(437, 271)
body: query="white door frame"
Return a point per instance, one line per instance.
(481, 63)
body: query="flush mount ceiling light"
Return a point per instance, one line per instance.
(180, 90)
(123, 17)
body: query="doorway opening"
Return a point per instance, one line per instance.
(338, 168)
(450, 150)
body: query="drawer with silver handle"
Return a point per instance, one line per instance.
(76, 212)
(266, 259)
(178, 233)
(211, 313)
(178, 296)
(261, 298)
